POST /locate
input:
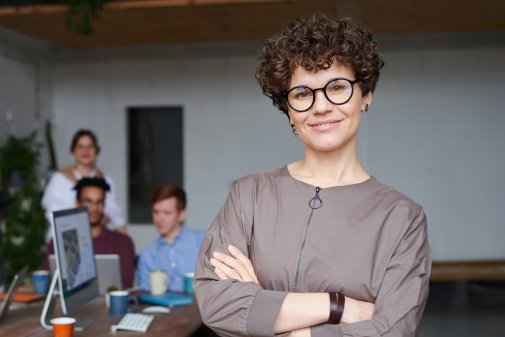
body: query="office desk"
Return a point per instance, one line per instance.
(181, 322)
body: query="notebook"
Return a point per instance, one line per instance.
(4, 306)
(168, 299)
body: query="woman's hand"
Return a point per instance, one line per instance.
(356, 311)
(236, 267)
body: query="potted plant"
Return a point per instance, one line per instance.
(22, 223)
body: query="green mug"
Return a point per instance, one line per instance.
(188, 282)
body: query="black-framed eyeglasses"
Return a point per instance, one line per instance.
(337, 91)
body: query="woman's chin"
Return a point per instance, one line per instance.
(85, 162)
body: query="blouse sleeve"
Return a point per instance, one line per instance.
(55, 195)
(402, 296)
(230, 307)
(112, 208)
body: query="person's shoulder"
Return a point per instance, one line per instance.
(150, 247)
(108, 178)
(119, 237)
(60, 176)
(194, 233)
(260, 178)
(390, 196)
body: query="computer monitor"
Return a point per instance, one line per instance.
(76, 273)
(108, 267)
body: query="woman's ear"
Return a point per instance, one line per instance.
(367, 100)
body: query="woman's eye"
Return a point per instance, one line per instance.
(336, 88)
(303, 93)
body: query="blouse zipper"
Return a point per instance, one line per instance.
(314, 203)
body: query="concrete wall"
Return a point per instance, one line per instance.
(434, 130)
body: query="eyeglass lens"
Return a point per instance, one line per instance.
(337, 91)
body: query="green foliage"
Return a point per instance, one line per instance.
(22, 222)
(112, 288)
(79, 14)
(21, 155)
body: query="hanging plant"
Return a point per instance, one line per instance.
(80, 13)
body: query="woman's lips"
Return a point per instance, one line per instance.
(325, 125)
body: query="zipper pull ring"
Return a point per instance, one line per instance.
(316, 202)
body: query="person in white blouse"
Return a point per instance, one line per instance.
(59, 193)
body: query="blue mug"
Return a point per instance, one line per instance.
(40, 281)
(118, 302)
(188, 282)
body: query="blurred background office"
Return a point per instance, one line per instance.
(169, 89)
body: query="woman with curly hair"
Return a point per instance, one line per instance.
(60, 194)
(317, 247)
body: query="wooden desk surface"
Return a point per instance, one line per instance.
(182, 321)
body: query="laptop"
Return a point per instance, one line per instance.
(108, 270)
(4, 306)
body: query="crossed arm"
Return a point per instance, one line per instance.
(299, 311)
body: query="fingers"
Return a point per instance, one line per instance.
(237, 266)
(232, 267)
(236, 253)
(220, 274)
(223, 270)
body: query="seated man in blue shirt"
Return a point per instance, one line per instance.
(176, 249)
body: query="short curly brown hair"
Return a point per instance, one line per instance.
(314, 43)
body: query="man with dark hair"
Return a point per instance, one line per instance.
(176, 249)
(90, 192)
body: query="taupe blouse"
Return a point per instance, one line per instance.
(367, 241)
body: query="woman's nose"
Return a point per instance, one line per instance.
(321, 103)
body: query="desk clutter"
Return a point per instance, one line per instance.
(141, 322)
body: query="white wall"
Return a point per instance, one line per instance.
(25, 87)
(230, 128)
(437, 133)
(434, 130)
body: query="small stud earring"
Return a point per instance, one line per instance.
(366, 108)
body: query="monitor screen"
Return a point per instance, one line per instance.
(73, 247)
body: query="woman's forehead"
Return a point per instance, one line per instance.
(85, 139)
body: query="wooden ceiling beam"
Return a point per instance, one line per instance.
(135, 22)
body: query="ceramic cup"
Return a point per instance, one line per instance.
(40, 281)
(188, 282)
(158, 281)
(118, 302)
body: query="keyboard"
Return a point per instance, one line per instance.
(133, 322)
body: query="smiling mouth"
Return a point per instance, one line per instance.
(325, 124)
